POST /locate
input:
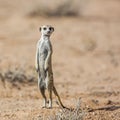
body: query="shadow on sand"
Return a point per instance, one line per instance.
(108, 108)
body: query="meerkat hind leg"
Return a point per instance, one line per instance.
(42, 90)
(50, 98)
(49, 88)
(44, 98)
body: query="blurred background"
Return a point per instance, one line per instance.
(86, 54)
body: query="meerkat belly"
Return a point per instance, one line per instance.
(42, 57)
(48, 84)
(49, 79)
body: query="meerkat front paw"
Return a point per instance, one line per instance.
(36, 68)
(46, 67)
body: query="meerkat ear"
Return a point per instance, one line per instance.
(53, 29)
(40, 29)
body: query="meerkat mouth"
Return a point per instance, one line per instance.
(47, 35)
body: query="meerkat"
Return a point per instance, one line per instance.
(43, 65)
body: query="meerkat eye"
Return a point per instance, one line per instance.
(44, 28)
(50, 28)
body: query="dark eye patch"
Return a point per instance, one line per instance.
(44, 28)
(50, 28)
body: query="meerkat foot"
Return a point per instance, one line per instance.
(49, 107)
(44, 106)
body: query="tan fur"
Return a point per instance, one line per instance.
(44, 66)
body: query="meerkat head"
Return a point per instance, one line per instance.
(46, 30)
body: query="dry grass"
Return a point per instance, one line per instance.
(66, 8)
(15, 76)
(66, 114)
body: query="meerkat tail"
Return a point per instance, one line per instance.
(56, 93)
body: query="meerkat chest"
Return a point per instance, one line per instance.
(45, 46)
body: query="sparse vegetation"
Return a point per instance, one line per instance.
(65, 8)
(66, 114)
(17, 76)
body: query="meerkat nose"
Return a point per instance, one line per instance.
(49, 31)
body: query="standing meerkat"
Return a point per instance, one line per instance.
(44, 66)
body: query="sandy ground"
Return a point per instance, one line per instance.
(86, 65)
